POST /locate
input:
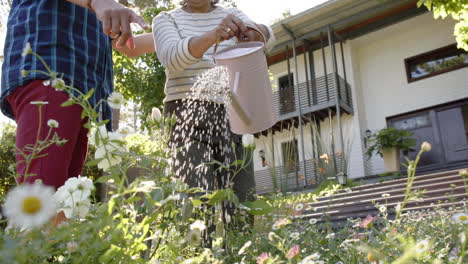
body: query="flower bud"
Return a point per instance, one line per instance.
(426, 147)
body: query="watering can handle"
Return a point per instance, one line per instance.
(250, 26)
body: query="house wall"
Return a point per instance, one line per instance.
(379, 64)
(376, 72)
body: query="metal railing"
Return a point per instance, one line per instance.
(293, 178)
(312, 94)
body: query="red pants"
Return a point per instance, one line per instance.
(61, 162)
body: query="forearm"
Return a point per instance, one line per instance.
(144, 43)
(199, 45)
(82, 3)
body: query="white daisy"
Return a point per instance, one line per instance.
(330, 236)
(385, 195)
(78, 209)
(26, 50)
(294, 235)
(244, 247)
(453, 259)
(422, 246)
(198, 224)
(29, 205)
(53, 123)
(313, 221)
(58, 84)
(461, 218)
(299, 207)
(115, 100)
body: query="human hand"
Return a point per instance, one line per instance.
(251, 35)
(229, 27)
(116, 20)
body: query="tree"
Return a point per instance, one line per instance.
(458, 10)
(7, 157)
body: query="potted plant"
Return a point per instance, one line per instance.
(388, 143)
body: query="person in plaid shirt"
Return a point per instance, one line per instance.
(74, 38)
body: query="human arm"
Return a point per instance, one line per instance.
(177, 53)
(142, 44)
(115, 18)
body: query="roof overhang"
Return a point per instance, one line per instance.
(348, 19)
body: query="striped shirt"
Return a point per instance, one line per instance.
(172, 33)
(70, 40)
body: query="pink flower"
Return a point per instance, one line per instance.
(367, 222)
(293, 252)
(264, 256)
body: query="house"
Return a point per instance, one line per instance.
(390, 64)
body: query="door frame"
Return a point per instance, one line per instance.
(431, 110)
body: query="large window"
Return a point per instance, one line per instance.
(286, 94)
(435, 62)
(290, 156)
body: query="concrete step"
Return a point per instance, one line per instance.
(419, 180)
(365, 208)
(440, 194)
(376, 193)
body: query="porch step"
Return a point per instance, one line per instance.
(378, 193)
(443, 189)
(423, 179)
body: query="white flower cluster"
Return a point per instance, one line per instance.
(73, 197)
(312, 259)
(108, 146)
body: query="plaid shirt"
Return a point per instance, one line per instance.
(70, 40)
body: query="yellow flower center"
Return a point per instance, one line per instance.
(31, 205)
(463, 217)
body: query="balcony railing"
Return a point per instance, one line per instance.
(314, 95)
(294, 178)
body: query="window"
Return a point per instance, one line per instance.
(413, 122)
(290, 156)
(435, 62)
(286, 94)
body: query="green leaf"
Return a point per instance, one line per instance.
(258, 207)
(217, 197)
(157, 194)
(89, 94)
(67, 103)
(196, 202)
(94, 162)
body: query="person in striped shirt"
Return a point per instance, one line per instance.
(184, 41)
(74, 39)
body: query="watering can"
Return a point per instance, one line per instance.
(251, 109)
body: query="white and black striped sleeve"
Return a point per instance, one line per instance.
(172, 50)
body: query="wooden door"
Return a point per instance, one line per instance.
(453, 125)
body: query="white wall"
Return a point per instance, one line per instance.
(376, 72)
(349, 127)
(379, 64)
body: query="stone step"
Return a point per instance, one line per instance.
(366, 207)
(377, 193)
(371, 203)
(410, 207)
(374, 187)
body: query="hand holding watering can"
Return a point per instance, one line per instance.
(251, 109)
